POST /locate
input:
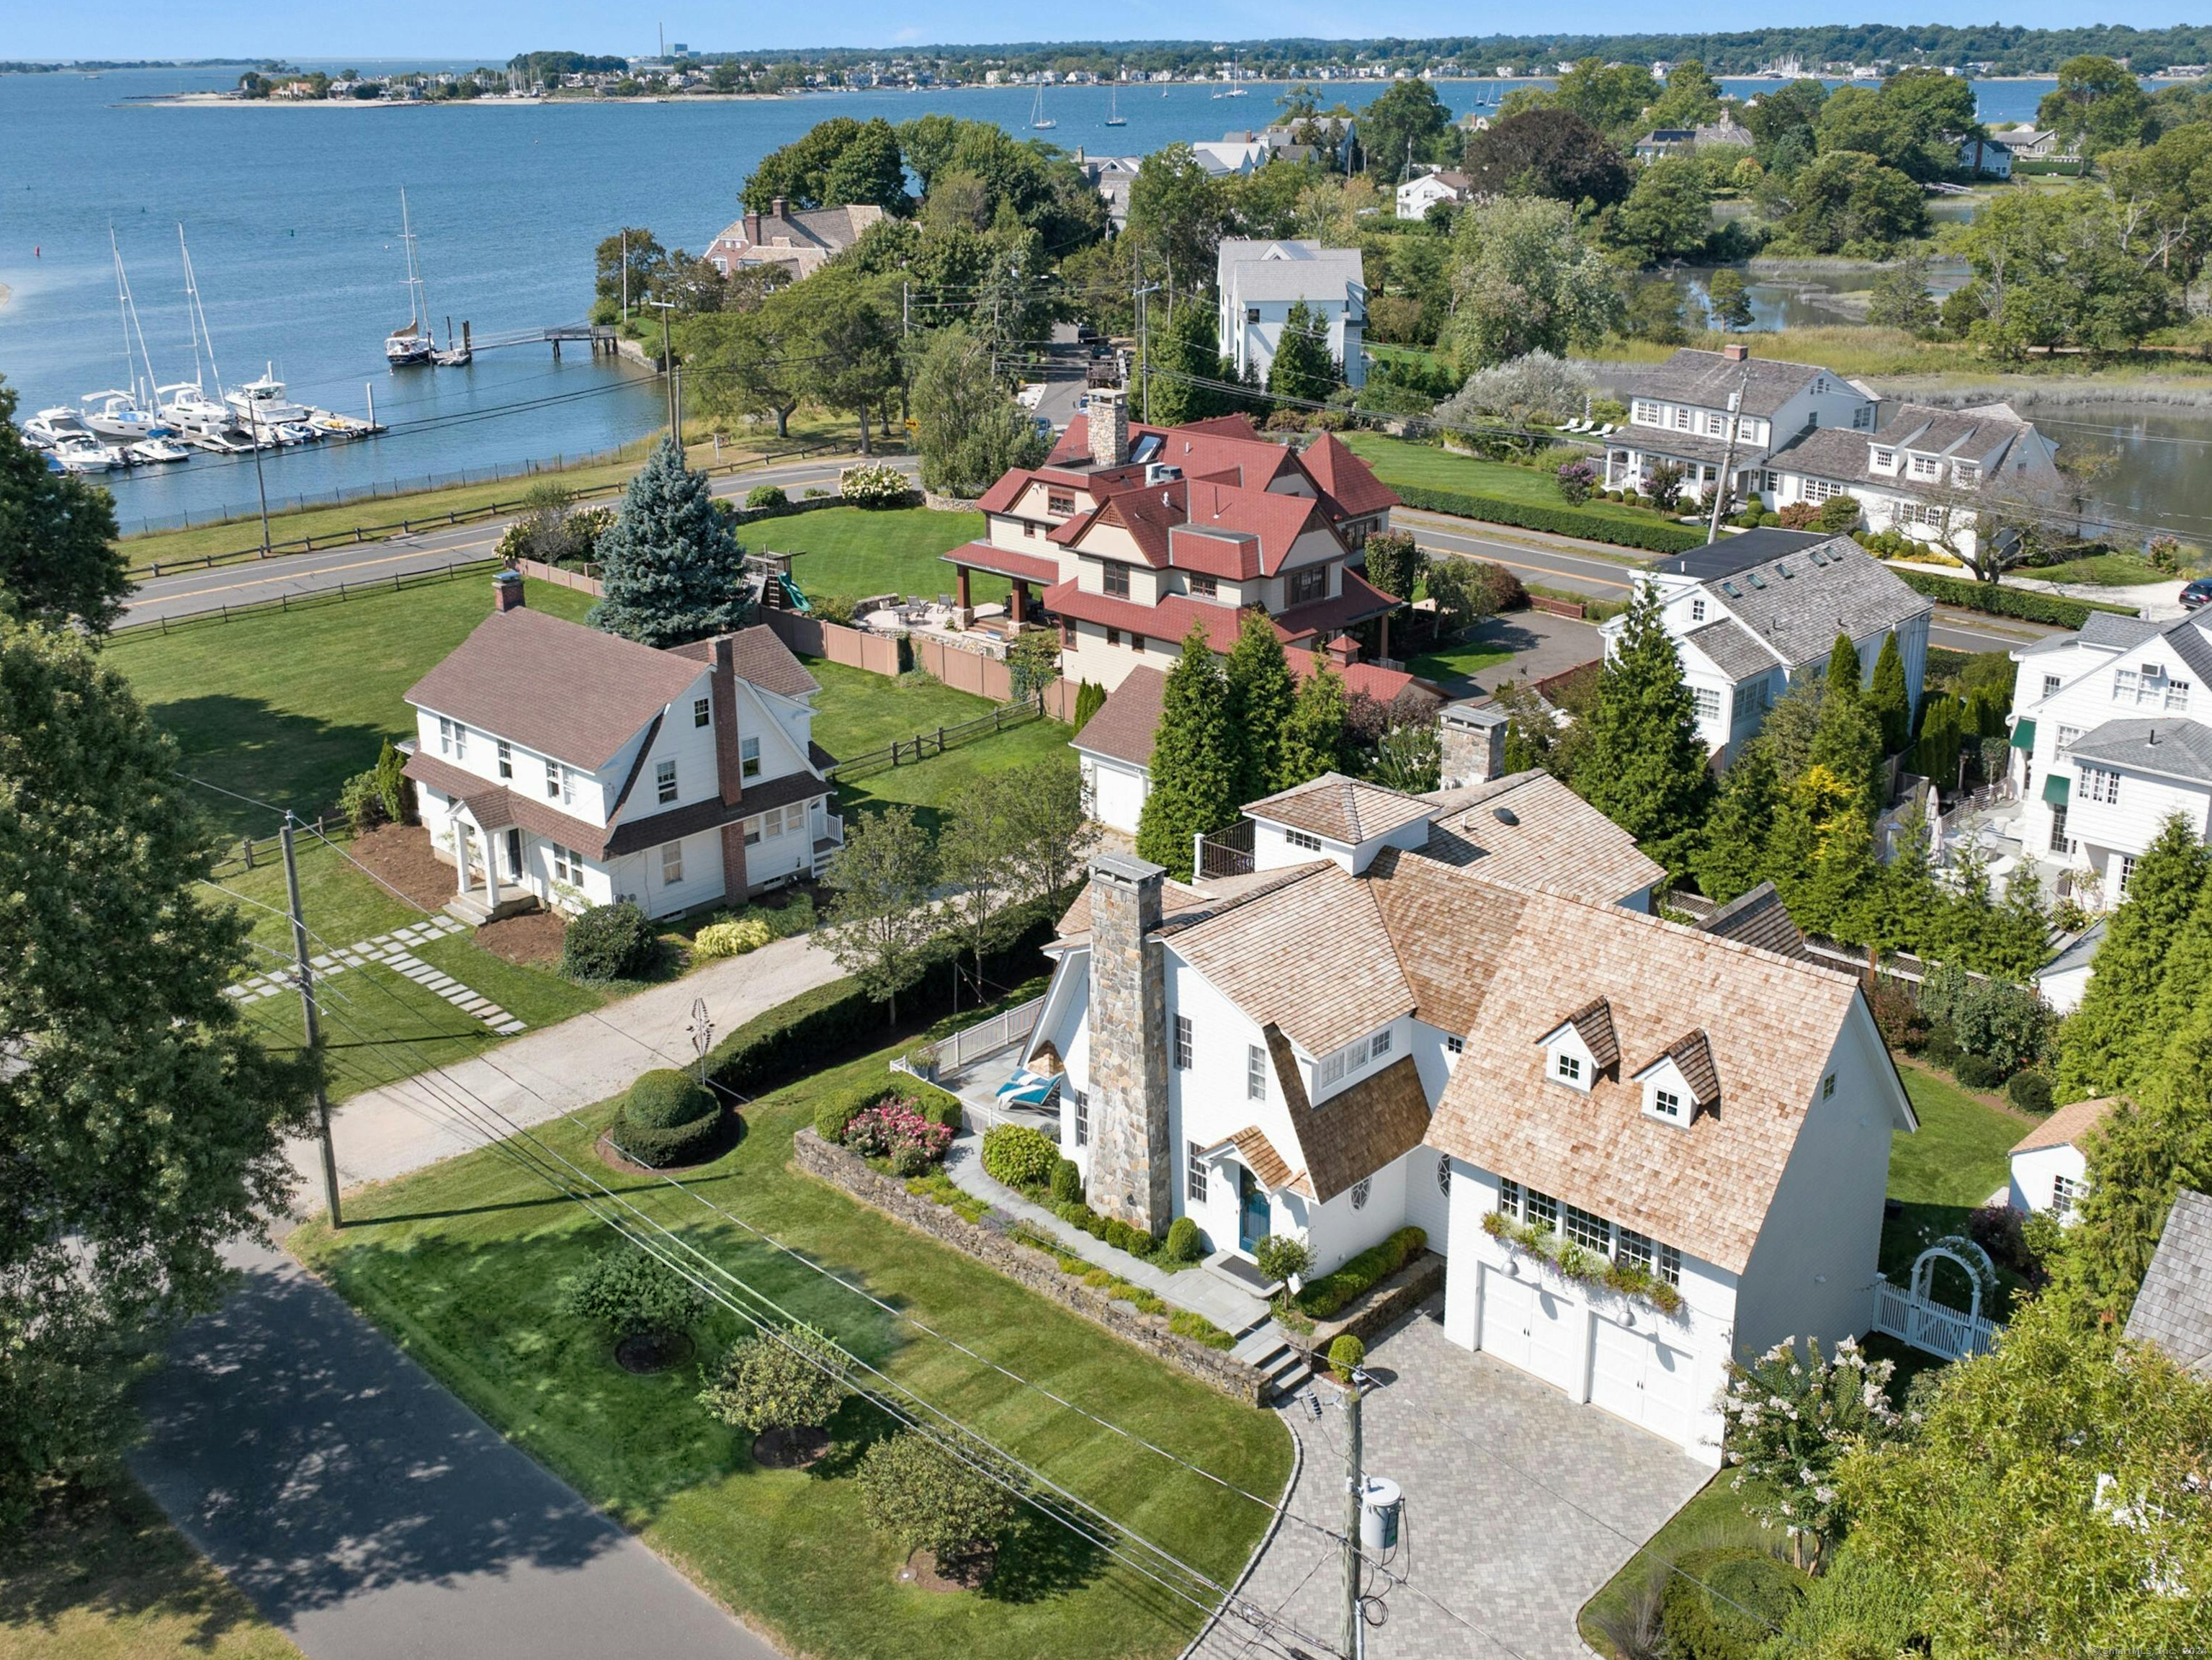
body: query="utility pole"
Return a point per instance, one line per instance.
(1728, 454)
(1355, 1485)
(314, 1024)
(1144, 352)
(668, 367)
(625, 274)
(260, 484)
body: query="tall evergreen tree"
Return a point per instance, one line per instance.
(1313, 736)
(1643, 764)
(1732, 859)
(2019, 942)
(1906, 910)
(1888, 698)
(1942, 739)
(673, 570)
(1185, 348)
(1260, 693)
(1303, 369)
(1845, 669)
(1838, 897)
(2186, 976)
(1848, 742)
(2111, 1039)
(1194, 760)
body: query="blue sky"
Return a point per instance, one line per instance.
(494, 30)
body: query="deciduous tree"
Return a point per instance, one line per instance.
(1407, 125)
(880, 920)
(971, 432)
(1525, 282)
(1546, 152)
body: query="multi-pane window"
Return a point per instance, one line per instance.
(1182, 1044)
(1113, 637)
(663, 780)
(1923, 466)
(567, 866)
(1749, 696)
(1885, 459)
(1590, 1232)
(1454, 1044)
(749, 763)
(1509, 1195)
(1303, 586)
(1540, 1210)
(1647, 412)
(1820, 489)
(1206, 587)
(1632, 1250)
(1340, 1063)
(1715, 423)
(2176, 694)
(1670, 1264)
(2067, 737)
(506, 759)
(772, 824)
(2060, 842)
(1683, 418)
(1708, 701)
(1668, 1104)
(1970, 472)
(2065, 1193)
(672, 862)
(1255, 1073)
(1060, 502)
(2126, 873)
(1570, 1068)
(559, 782)
(1828, 1087)
(1359, 1192)
(1696, 610)
(1193, 1182)
(1082, 1118)
(1380, 1043)
(1298, 838)
(2051, 683)
(2101, 784)
(445, 736)
(1115, 580)
(2125, 685)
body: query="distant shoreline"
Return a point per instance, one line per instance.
(6, 294)
(223, 101)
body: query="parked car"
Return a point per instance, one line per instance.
(2196, 594)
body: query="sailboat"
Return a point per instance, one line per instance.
(1114, 116)
(126, 415)
(1038, 119)
(413, 343)
(1234, 91)
(188, 406)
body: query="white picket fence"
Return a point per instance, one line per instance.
(1001, 1032)
(1929, 1326)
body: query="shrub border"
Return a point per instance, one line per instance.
(1655, 538)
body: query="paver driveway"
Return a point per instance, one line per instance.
(1519, 1505)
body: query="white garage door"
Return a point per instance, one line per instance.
(1118, 792)
(1531, 1327)
(1642, 1379)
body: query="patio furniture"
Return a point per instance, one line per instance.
(1030, 1091)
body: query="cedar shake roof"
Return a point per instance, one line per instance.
(1180, 904)
(2173, 1310)
(1794, 604)
(759, 657)
(1759, 918)
(1358, 1130)
(1125, 725)
(1528, 830)
(574, 693)
(2068, 1126)
(1593, 1024)
(1692, 1056)
(1274, 1172)
(1340, 809)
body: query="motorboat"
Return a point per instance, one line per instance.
(223, 440)
(157, 451)
(48, 428)
(117, 415)
(187, 406)
(262, 403)
(86, 455)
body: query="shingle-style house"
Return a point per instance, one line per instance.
(1749, 613)
(1417, 195)
(802, 239)
(1412, 1027)
(1678, 413)
(2173, 1310)
(2112, 735)
(2050, 1164)
(1134, 533)
(557, 765)
(1661, 141)
(1260, 282)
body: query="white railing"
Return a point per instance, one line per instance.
(1932, 1327)
(1001, 1032)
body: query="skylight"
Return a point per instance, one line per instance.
(1754, 579)
(1819, 557)
(1731, 590)
(1786, 572)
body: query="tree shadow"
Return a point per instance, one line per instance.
(251, 745)
(1039, 1559)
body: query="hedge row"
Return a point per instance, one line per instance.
(1657, 537)
(1322, 1298)
(2026, 604)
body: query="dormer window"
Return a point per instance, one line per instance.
(1970, 472)
(1666, 1103)
(1923, 466)
(1885, 460)
(1680, 1082)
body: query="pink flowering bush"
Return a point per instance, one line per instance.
(1792, 1418)
(896, 1130)
(1577, 480)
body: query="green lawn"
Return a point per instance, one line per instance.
(461, 1264)
(113, 1580)
(1424, 467)
(854, 551)
(286, 708)
(1455, 667)
(862, 711)
(2118, 570)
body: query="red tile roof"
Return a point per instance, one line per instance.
(1276, 520)
(1347, 480)
(1003, 562)
(1360, 600)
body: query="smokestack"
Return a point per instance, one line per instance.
(1109, 428)
(1132, 1167)
(506, 590)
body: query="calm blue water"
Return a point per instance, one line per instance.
(294, 219)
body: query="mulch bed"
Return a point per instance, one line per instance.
(924, 1573)
(731, 1131)
(656, 1351)
(533, 937)
(401, 856)
(790, 1450)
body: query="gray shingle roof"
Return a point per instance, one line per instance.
(2188, 640)
(1298, 271)
(1735, 653)
(1707, 378)
(1841, 453)
(2110, 630)
(1799, 614)
(2176, 749)
(2174, 1308)
(2080, 954)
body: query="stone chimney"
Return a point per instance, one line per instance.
(1473, 744)
(506, 590)
(729, 759)
(1132, 1163)
(1735, 351)
(1109, 428)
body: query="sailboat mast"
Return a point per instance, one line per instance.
(199, 315)
(130, 328)
(191, 300)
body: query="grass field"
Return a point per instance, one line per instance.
(1422, 466)
(854, 552)
(114, 1581)
(1455, 667)
(1954, 1162)
(462, 1264)
(2118, 570)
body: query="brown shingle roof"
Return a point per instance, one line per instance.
(1593, 1024)
(1270, 1167)
(1358, 1130)
(2068, 1126)
(1552, 837)
(554, 686)
(507, 806)
(1124, 724)
(1340, 809)
(1694, 1057)
(1759, 918)
(759, 655)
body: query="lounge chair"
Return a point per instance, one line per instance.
(1030, 1091)
(1576, 425)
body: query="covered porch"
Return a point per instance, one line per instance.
(1022, 572)
(491, 865)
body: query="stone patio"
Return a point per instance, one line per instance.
(1519, 1506)
(395, 951)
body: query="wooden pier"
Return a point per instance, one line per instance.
(598, 336)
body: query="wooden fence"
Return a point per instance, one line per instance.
(581, 582)
(287, 603)
(905, 751)
(857, 648)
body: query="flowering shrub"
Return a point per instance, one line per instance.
(1583, 1265)
(1791, 1419)
(731, 939)
(872, 485)
(893, 1128)
(1577, 480)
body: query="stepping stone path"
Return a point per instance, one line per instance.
(395, 951)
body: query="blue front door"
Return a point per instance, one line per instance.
(1253, 1216)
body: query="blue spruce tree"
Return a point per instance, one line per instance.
(673, 570)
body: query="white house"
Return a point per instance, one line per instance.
(2065, 978)
(1749, 613)
(1411, 1028)
(1233, 155)
(1679, 414)
(556, 763)
(2112, 735)
(2049, 1168)
(1984, 158)
(1260, 282)
(1417, 195)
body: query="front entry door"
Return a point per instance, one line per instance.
(1254, 1217)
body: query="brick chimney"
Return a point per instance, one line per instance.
(1132, 1167)
(729, 760)
(1473, 744)
(506, 590)
(1109, 428)
(1735, 351)
(752, 228)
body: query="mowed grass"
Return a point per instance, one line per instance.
(462, 1264)
(1455, 667)
(286, 707)
(1424, 467)
(2118, 570)
(854, 552)
(113, 1580)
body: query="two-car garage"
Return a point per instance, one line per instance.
(1628, 1370)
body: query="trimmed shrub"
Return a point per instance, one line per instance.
(2030, 1092)
(1121, 1235)
(1018, 1156)
(1655, 538)
(1751, 1595)
(1326, 1295)
(1977, 1072)
(627, 1294)
(1188, 1323)
(834, 1115)
(1940, 1047)
(667, 1118)
(926, 1498)
(1281, 1256)
(2026, 604)
(872, 484)
(1346, 1353)
(1090, 698)
(731, 939)
(1183, 1242)
(608, 942)
(939, 1106)
(1067, 1182)
(767, 495)
(794, 1380)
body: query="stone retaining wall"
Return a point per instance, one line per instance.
(937, 503)
(1375, 1311)
(1030, 1269)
